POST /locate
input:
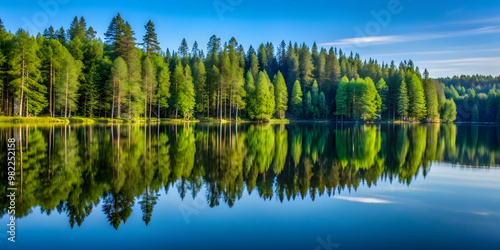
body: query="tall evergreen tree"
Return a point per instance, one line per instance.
(416, 98)
(281, 95)
(186, 95)
(431, 98)
(296, 100)
(150, 39)
(341, 98)
(306, 67)
(308, 107)
(402, 100)
(25, 74)
(119, 74)
(382, 89)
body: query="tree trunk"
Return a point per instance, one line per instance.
(146, 97)
(67, 84)
(22, 87)
(119, 92)
(50, 91)
(27, 96)
(91, 103)
(208, 106)
(113, 103)
(150, 99)
(230, 102)
(176, 101)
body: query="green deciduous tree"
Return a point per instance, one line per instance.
(450, 111)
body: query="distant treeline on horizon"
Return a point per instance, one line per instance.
(61, 73)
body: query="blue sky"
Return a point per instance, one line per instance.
(447, 37)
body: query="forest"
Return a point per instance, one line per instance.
(477, 97)
(64, 73)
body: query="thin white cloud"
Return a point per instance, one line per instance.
(380, 40)
(485, 20)
(481, 213)
(435, 52)
(492, 61)
(375, 40)
(442, 70)
(363, 200)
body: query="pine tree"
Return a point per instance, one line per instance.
(250, 94)
(150, 39)
(370, 100)
(25, 74)
(431, 98)
(382, 89)
(416, 98)
(262, 55)
(315, 99)
(262, 99)
(119, 74)
(78, 29)
(308, 107)
(450, 111)
(163, 81)
(306, 66)
(332, 67)
(178, 81)
(296, 100)
(323, 108)
(149, 79)
(341, 98)
(184, 52)
(402, 101)
(293, 67)
(254, 65)
(186, 94)
(475, 113)
(115, 30)
(199, 77)
(61, 35)
(125, 48)
(281, 95)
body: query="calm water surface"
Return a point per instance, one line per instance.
(295, 186)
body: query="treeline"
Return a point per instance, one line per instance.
(477, 97)
(71, 72)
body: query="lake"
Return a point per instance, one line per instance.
(266, 186)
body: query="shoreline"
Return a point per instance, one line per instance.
(88, 121)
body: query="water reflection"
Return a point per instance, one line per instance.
(72, 169)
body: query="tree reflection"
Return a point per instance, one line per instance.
(71, 169)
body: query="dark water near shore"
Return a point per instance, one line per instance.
(293, 186)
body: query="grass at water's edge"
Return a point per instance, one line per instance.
(84, 120)
(32, 120)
